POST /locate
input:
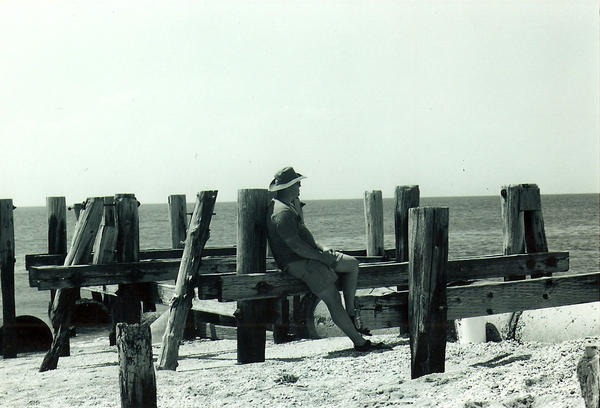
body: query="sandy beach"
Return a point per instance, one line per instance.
(310, 373)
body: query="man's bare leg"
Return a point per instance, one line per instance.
(347, 267)
(332, 300)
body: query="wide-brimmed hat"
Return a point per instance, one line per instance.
(285, 178)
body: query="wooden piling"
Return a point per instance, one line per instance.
(105, 245)
(126, 306)
(64, 301)
(7, 277)
(184, 288)
(588, 373)
(373, 203)
(251, 257)
(533, 222)
(56, 209)
(178, 219)
(407, 197)
(136, 371)
(513, 230)
(428, 258)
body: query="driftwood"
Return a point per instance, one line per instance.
(184, 290)
(136, 371)
(64, 301)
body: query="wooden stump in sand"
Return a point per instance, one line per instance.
(136, 370)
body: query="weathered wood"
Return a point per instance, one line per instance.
(529, 198)
(178, 219)
(251, 257)
(136, 370)
(385, 274)
(186, 279)
(7, 278)
(512, 221)
(506, 297)
(223, 253)
(56, 209)
(77, 207)
(428, 256)
(126, 306)
(105, 246)
(407, 197)
(588, 373)
(373, 204)
(64, 301)
(384, 311)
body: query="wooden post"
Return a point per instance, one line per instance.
(64, 301)
(374, 223)
(407, 197)
(126, 306)
(56, 209)
(178, 219)
(428, 257)
(533, 220)
(588, 373)
(136, 371)
(251, 257)
(7, 277)
(106, 242)
(523, 231)
(184, 288)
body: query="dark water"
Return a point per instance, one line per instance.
(572, 224)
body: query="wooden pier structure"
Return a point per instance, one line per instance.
(431, 290)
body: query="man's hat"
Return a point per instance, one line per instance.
(285, 178)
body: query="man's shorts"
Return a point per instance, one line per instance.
(315, 274)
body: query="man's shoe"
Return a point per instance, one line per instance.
(368, 346)
(357, 325)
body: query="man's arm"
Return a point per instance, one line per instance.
(296, 244)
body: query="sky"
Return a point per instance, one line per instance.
(158, 98)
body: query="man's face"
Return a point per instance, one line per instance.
(295, 189)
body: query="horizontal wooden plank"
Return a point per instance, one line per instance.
(56, 277)
(385, 311)
(504, 297)
(500, 266)
(384, 274)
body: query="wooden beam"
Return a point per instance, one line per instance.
(181, 302)
(372, 275)
(505, 297)
(384, 274)
(474, 300)
(64, 301)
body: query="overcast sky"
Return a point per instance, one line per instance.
(159, 98)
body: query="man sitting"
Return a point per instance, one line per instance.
(297, 253)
